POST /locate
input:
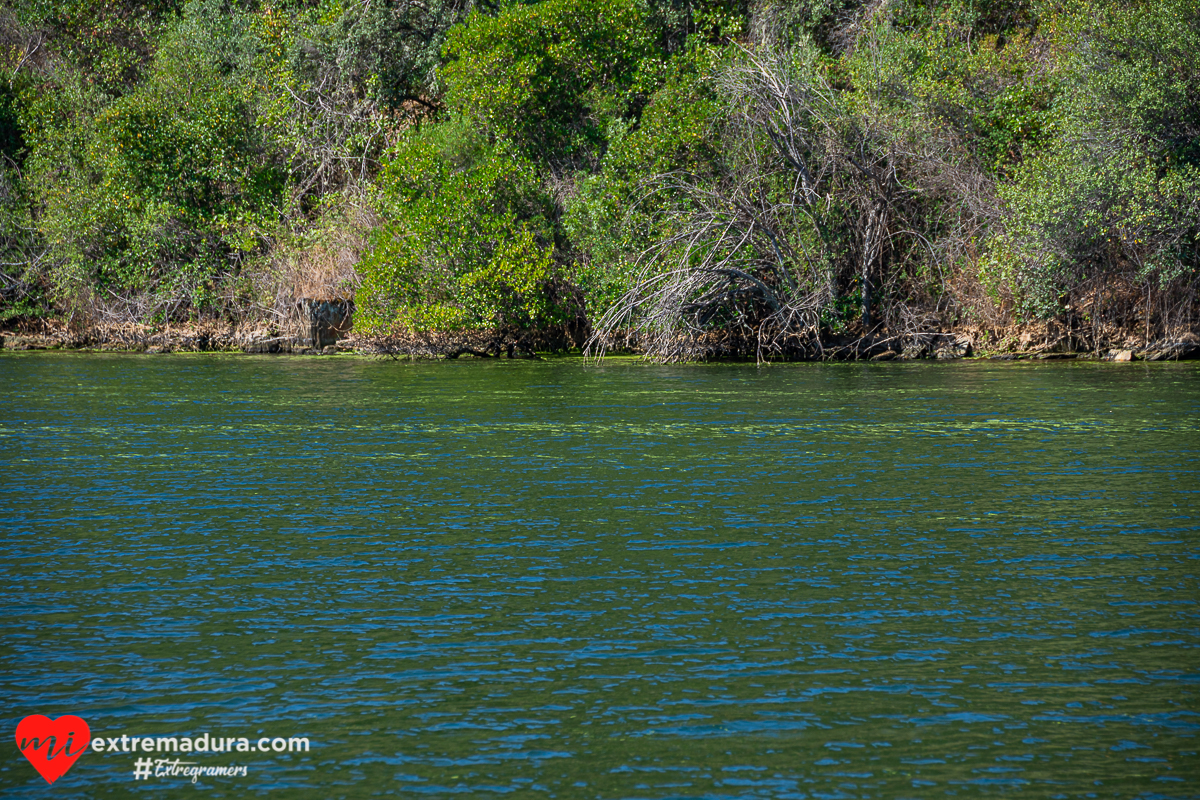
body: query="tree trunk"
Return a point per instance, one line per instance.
(872, 247)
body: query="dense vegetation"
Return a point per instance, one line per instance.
(697, 177)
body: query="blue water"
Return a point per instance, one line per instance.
(541, 579)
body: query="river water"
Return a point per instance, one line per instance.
(544, 579)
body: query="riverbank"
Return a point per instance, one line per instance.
(177, 338)
(1029, 344)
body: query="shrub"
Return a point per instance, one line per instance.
(550, 76)
(1117, 190)
(157, 192)
(467, 242)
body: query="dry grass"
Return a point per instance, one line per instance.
(315, 264)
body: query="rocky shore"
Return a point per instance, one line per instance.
(176, 341)
(267, 341)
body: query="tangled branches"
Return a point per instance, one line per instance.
(761, 243)
(735, 289)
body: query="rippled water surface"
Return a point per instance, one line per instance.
(624, 581)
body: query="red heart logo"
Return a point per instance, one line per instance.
(48, 743)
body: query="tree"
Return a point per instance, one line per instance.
(1114, 198)
(551, 76)
(806, 181)
(467, 245)
(147, 201)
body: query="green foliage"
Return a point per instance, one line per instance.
(792, 22)
(20, 296)
(1116, 190)
(12, 135)
(109, 41)
(152, 152)
(616, 214)
(468, 244)
(1014, 124)
(160, 189)
(550, 76)
(168, 142)
(391, 50)
(470, 239)
(682, 24)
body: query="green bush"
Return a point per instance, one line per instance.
(468, 242)
(1116, 192)
(621, 212)
(160, 190)
(550, 76)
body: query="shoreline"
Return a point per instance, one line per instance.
(927, 347)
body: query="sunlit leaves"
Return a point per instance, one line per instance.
(550, 75)
(467, 245)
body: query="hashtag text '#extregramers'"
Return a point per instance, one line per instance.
(143, 768)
